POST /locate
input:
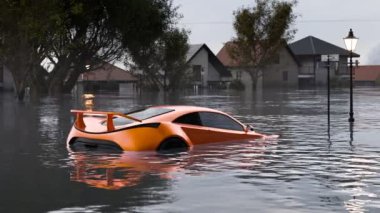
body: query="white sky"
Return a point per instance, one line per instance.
(210, 22)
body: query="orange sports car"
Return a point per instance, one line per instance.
(158, 128)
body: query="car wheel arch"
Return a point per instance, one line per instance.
(173, 142)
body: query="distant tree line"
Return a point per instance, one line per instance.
(70, 34)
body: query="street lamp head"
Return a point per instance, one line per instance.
(350, 41)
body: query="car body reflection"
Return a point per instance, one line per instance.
(113, 171)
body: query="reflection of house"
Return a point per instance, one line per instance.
(207, 70)
(312, 71)
(108, 77)
(367, 75)
(281, 72)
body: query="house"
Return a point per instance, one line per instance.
(368, 75)
(206, 68)
(282, 72)
(107, 77)
(312, 71)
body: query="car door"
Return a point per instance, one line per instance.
(192, 126)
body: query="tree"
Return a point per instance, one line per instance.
(164, 62)
(24, 25)
(260, 32)
(174, 48)
(71, 34)
(104, 31)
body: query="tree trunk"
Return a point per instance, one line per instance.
(58, 76)
(19, 73)
(254, 77)
(38, 84)
(20, 65)
(70, 83)
(165, 86)
(19, 89)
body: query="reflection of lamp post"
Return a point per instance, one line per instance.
(350, 42)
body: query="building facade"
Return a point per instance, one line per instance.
(282, 72)
(313, 71)
(107, 77)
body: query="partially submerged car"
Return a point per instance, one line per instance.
(156, 128)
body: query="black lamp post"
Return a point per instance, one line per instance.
(351, 42)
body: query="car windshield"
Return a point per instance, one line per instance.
(141, 115)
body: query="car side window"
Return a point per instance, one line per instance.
(220, 121)
(191, 118)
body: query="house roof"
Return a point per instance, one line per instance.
(193, 49)
(311, 45)
(367, 73)
(224, 56)
(108, 72)
(196, 48)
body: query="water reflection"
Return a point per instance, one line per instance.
(116, 171)
(113, 171)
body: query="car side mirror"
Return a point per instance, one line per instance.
(248, 128)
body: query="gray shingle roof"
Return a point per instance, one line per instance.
(313, 46)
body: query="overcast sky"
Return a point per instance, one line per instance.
(210, 22)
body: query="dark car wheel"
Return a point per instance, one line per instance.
(173, 145)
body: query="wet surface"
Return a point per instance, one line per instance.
(307, 169)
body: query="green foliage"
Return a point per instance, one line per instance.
(260, 32)
(164, 62)
(73, 33)
(174, 49)
(77, 9)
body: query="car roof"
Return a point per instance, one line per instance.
(179, 110)
(184, 108)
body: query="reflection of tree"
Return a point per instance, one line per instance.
(54, 122)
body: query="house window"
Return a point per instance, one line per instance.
(197, 72)
(285, 75)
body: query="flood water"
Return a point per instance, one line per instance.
(308, 169)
